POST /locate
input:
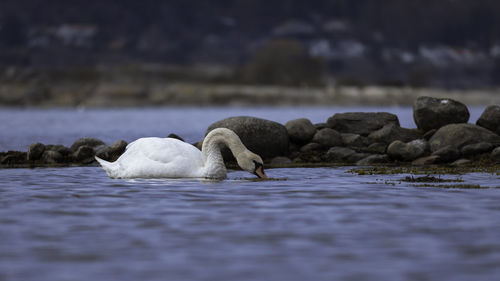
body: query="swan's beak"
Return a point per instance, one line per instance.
(260, 173)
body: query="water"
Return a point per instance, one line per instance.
(306, 224)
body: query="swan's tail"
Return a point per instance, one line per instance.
(109, 167)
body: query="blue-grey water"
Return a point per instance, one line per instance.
(306, 224)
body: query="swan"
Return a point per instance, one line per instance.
(154, 157)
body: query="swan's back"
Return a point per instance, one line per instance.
(157, 158)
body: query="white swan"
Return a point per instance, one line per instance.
(172, 158)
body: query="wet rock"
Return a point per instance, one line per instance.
(102, 151)
(52, 157)
(490, 119)
(339, 154)
(374, 159)
(433, 113)
(476, 149)
(300, 130)
(428, 135)
(495, 154)
(116, 149)
(460, 162)
(84, 154)
(92, 142)
(280, 160)
(377, 148)
(355, 140)
(312, 146)
(356, 157)
(63, 150)
(447, 154)
(13, 157)
(327, 138)
(174, 136)
(361, 123)
(460, 135)
(35, 151)
(427, 160)
(407, 151)
(266, 138)
(320, 126)
(392, 132)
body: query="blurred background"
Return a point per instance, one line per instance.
(177, 52)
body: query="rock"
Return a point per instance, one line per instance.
(102, 151)
(476, 149)
(52, 157)
(300, 131)
(460, 162)
(407, 151)
(377, 148)
(495, 154)
(280, 160)
(427, 160)
(84, 154)
(312, 146)
(327, 138)
(320, 126)
(355, 140)
(59, 148)
(356, 157)
(92, 142)
(339, 154)
(116, 149)
(174, 136)
(392, 132)
(266, 138)
(490, 119)
(460, 135)
(374, 159)
(433, 113)
(361, 123)
(13, 157)
(447, 154)
(35, 151)
(429, 134)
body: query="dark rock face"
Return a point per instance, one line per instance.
(52, 157)
(460, 135)
(12, 157)
(174, 136)
(312, 146)
(84, 154)
(392, 132)
(490, 119)
(361, 123)
(116, 149)
(35, 151)
(355, 140)
(92, 142)
(300, 130)
(433, 113)
(495, 154)
(339, 154)
(407, 151)
(266, 138)
(427, 160)
(447, 154)
(327, 138)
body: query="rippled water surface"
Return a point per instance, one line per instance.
(304, 224)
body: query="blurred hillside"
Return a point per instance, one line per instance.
(452, 44)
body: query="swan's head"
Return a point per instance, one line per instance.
(251, 163)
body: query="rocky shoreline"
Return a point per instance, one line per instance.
(442, 137)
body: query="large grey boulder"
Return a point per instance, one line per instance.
(327, 138)
(361, 123)
(433, 113)
(490, 119)
(392, 132)
(460, 135)
(447, 154)
(407, 151)
(266, 138)
(355, 140)
(300, 130)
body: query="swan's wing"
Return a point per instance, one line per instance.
(161, 157)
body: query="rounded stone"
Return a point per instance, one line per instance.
(35, 151)
(92, 142)
(327, 138)
(460, 135)
(490, 119)
(300, 130)
(433, 113)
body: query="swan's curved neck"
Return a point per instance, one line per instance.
(211, 151)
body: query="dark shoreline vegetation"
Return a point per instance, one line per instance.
(442, 143)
